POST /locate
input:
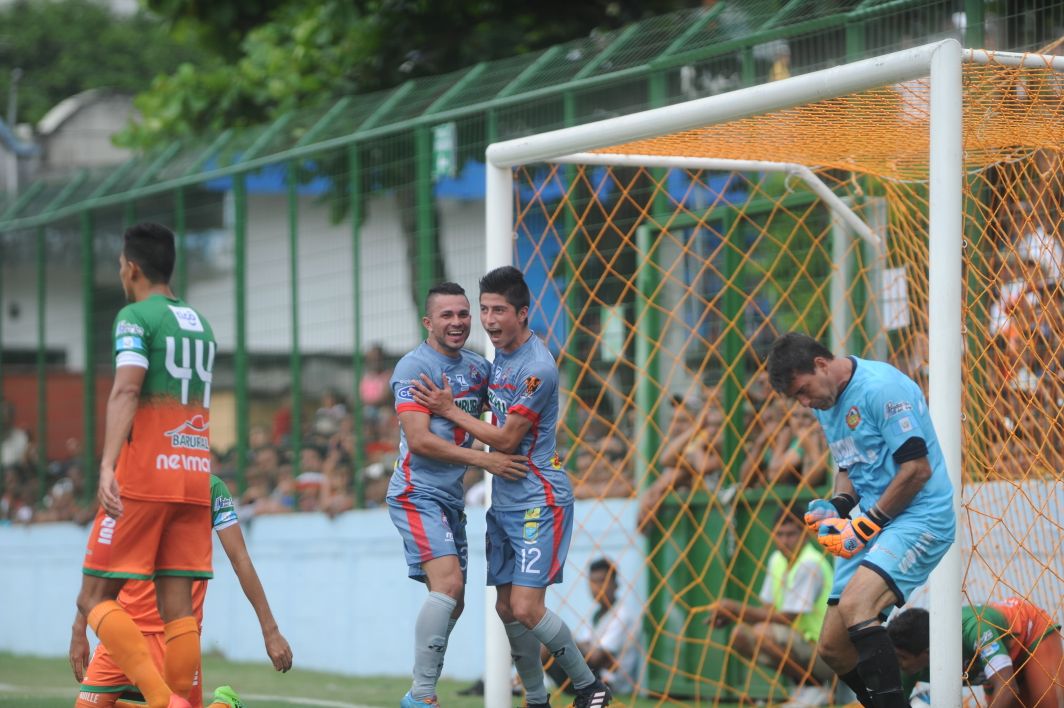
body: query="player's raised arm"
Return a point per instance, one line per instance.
(276, 645)
(439, 401)
(425, 443)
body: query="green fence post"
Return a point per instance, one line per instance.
(354, 177)
(647, 318)
(240, 352)
(975, 23)
(747, 66)
(855, 39)
(88, 306)
(732, 345)
(295, 360)
(180, 231)
(425, 213)
(42, 380)
(3, 398)
(574, 301)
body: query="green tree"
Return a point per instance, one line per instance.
(310, 51)
(67, 46)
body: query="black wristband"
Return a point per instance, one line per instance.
(843, 504)
(877, 516)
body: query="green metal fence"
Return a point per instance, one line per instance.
(309, 239)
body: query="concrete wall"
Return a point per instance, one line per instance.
(337, 587)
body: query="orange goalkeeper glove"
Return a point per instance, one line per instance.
(822, 510)
(847, 537)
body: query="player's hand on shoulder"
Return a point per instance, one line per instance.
(279, 651)
(507, 466)
(438, 399)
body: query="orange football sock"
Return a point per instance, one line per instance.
(182, 654)
(127, 647)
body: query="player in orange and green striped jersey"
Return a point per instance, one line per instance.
(154, 488)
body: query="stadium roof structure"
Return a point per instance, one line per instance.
(745, 35)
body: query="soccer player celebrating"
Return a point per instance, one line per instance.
(879, 430)
(425, 494)
(103, 684)
(530, 520)
(1011, 647)
(154, 484)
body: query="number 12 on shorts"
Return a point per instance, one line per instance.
(529, 558)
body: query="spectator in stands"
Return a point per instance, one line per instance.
(258, 438)
(381, 450)
(16, 504)
(1036, 242)
(691, 456)
(782, 632)
(602, 468)
(611, 642)
(798, 456)
(281, 425)
(337, 497)
(15, 447)
(373, 388)
(336, 485)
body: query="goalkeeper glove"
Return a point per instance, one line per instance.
(846, 538)
(821, 510)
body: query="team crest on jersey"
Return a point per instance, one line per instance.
(533, 513)
(191, 435)
(474, 374)
(532, 385)
(556, 461)
(531, 531)
(853, 417)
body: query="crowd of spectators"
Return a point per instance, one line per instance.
(1021, 371)
(759, 441)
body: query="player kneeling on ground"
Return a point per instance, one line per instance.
(1011, 647)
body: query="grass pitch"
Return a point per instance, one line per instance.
(32, 682)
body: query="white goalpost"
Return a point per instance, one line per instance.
(941, 62)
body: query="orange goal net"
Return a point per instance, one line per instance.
(660, 286)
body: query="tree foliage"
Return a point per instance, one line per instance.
(67, 46)
(305, 52)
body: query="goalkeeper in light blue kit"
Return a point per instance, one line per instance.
(425, 494)
(893, 477)
(531, 519)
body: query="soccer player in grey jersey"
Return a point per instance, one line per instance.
(531, 519)
(425, 495)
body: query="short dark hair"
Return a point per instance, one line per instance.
(788, 515)
(910, 631)
(602, 565)
(510, 283)
(792, 354)
(151, 247)
(446, 288)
